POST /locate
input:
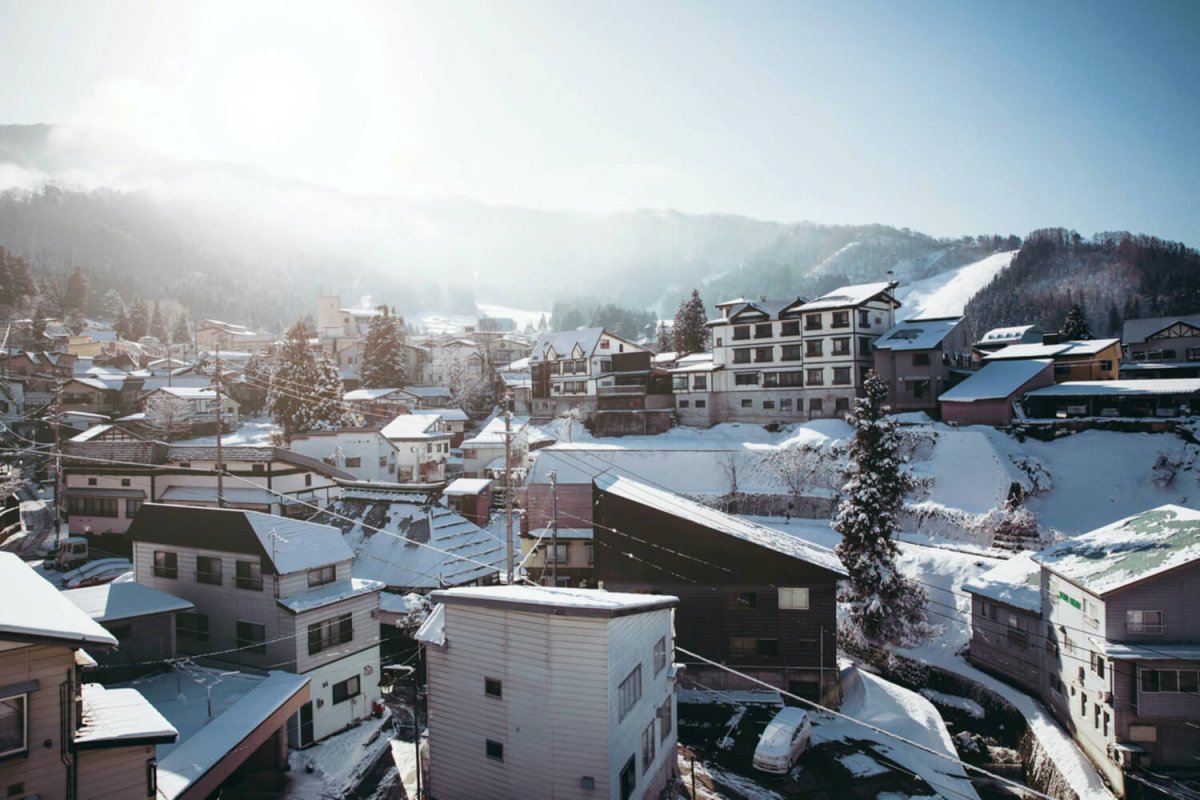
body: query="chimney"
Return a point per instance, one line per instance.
(1051, 337)
(891, 280)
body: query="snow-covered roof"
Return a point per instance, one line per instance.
(1089, 347)
(520, 365)
(433, 629)
(1011, 334)
(112, 602)
(120, 717)
(402, 539)
(995, 381)
(697, 362)
(42, 613)
(1016, 582)
(847, 296)
(669, 503)
(191, 392)
(1162, 386)
(191, 759)
(492, 432)
(563, 533)
(1137, 331)
(328, 594)
(564, 343)
(464, 486)
(236, 495)
(1127, 551)
(414, 426)
(448, 414)
(427, 391)
(358, 395)
(559, 601)
(917, 334)
(90, 433)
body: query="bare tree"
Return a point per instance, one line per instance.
(168, 415)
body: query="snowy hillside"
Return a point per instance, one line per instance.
(947, 294)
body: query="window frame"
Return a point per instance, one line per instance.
(199, 632)
(23, 720)
(629, 692)
(493, 683)
(343, 688)
(494, 750)
(169, 568)
(209, 577)
(248, 582)
(793, 592)
(660, 655)
(329, 570)
(245, 640)
(330, 632)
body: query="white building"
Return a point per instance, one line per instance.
(422, 443)
(569, 369)
(365, 453)
(483, 453)
(537, 692)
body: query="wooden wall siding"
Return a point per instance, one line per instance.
(552, 718)
(364, 610)
(117, 773)
(574, 506)
(329, 717)
(41, 770)
(992, 649)
(1175, 593)
(717, 565)
(150, 638)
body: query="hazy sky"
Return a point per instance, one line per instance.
(948, 117)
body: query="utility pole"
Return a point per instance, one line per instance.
(220, 462)
(554, 529)
(508, 533)
(57, 417)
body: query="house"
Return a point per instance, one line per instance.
(751, 597)
(1154, 399)
(791, 359)
(1162, 347)
(454, 362)
(998, 338)
(1122, 653)
(988, 397)
(921, 358)
(470, 497)
(427, 396)
(201, 417)
(562, 557)
(336, 322)
(213, 333)
(114, 394)
(453, 419)
(569, 370)
(378, 406)
(366, 453)
(1085, 360)
(691, 383)
(483, 453)
(409, 543)
(422, 445)
(109, 472)
(42, 370)
(1006, 621)
(268, 592)
(59, 735)
(514, 714)
(141, 618)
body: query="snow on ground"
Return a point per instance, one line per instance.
(861, 765)
(405, 757)
(954, 701)
(871, 699)
(339, 762)
(946, 294)
(254, 431)
(524, 318)
(707, 774)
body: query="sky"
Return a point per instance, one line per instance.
(946, 117)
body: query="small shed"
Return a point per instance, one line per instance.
(470, 498)
(988, 396)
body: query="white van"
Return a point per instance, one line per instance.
(785, 738)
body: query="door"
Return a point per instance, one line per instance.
(306, 724)
(628, 778)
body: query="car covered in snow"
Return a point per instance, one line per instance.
(785, 738)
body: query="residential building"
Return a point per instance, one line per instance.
(989, 396)
(570, 370)
(422, 443)
(336, 322)
(1085, 360)
(788, 360)
(201, 419)
(141, 619)
(60, 736)
(483, 453)
(454, 420)
(114, 394)
(268, 592)
(504, 693)
(999, 338)
(454, 362)
(1006, 621)
(378, 406)
(470, 497)
(213, 333)
(1162, 347)
(921, 358)
(692, 385)
(366, 453)
(42, 370)
(754, 598)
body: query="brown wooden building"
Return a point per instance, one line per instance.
(753, 598)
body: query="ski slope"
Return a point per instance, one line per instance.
(946, 294)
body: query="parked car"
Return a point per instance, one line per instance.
(94, 573)
(72, 552)
(784, 739)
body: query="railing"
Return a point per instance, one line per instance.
(630, 390)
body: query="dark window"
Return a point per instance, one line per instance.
(132, 506)
(791, 352)
(816, 405)
(328, 633)
(1143, 622)
(320, 576)
(920, 359)
(92, 506)
(770, 379)
(308, 479)
(683, 403)
(14, 729)
(841, 376)
(813, 348)
(745, 379)
(166, 564)
(764, 354)
(248, 575)
(1105, 364)
(258, 469)
(864, 345)
(746, 646)
(629, 778)
(493, 687)
(700, 383)
(660, 654)
(747, 402)
(791, 378)
(701, 404)
(191, 626)
(629, 692)
(785, 404)
(768, 405)
(208, 570)
(356, 461)
(920, 389)
(812, 322)
(841, 404)
(494, 750)
(91, 481)
(741, 356)
(346, 689)
(841, 346)
(864, 317)
(251, 637)
(741, 332)
(790, 328)
(124, 481)
(815, 377)
(841, 319)
(762, 331)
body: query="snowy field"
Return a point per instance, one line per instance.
(946, 294)
(255, 431)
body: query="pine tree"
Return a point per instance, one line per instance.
(690, 334)
(182, 334)
(111, 305)
(383, 359)
(542, 322)
(664, 338)
(35, 334)
(139, 320)
(329, 412)
(885, 607)
(1075, 325)
(290, 398)
(121, 324)
(76, 322)
(76, 293)
(17, 286)
(158, 326)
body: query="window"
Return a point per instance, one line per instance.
(1018, 636)
(841, 404)
(319, 576)
(747, 403)
(556, 554)
(308, 479)
(813, 348)
(764, 354)
(762, 331)
(125, 482)
(815, 377)
(493, 687)
(816, 405)
(628, 778)
(919, 389)
(987, 610)
(791, 352)
(660, 655)
(251, 637)
(785, 404)
(745, 379)
(1098, 664)
(494, 750)
(648, 747)
(629, 692)
(346, 689)
(192, 626)
(744, 646)
(208, 570)
(132, 506)
(665, 719)
(701, 404)
(920, 359)
(13, 724)
(768, 405)
(793, 598)
(683, 403)
(590, 549)
(741, 332)
(92, 506)
(91, 481)
(841, 319)
(700, 383)
(770, 379)
(864, 317)
(606, 365)
(1143, 622)
(812, 322)
(841, 376)
(328, 633)
(864, 345)
(166, 564)
(355, 461)
(741, 355)
(679, 383)
(258, 469)
(1185, 681)
(841, 346)
(743, 600)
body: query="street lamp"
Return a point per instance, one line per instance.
(399, 672)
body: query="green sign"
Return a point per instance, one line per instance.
(1064, 596)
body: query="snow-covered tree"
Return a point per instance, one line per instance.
(329, 410)
(251, 391)
(290, 398)
(690, 334)
(76, 322)
(1075, 325)
(35, 334)
(139, 320)
(121, 323)
(383, 362)
(182, 333)
(168, 416)
(158, 325)
(473, 394)
(75, 295)
(885, 607)
(664, 338)
(111, 305)
(542, 322)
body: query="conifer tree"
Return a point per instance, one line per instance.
(885, 607)
(76, 322)
(690, 334)
(121, 323)
(111, 305)
(382, 362)
(182, 334)
(76, 292)
(329, 411)
(664, 338)
(158, 325)
(1075, 326)
(293, 381)
(139, 320)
